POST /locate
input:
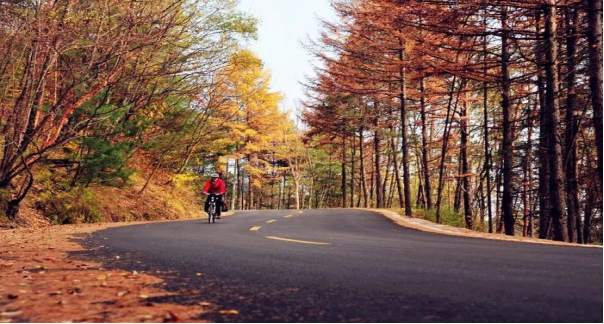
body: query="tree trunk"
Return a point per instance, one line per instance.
(386, 176)
(354, 153)
(525, 187)
(571, 162)
(457, 197)
(506, 201)
(590, 204)
(343, 185)
(544, 199)
(363, 174)
(498, 217)
(487, 150)
(372, 179)
(397, 176)
(250, 193)
(425, 153)
(297, 185)
(556, 181)
(529, 171)
(235, 186)
(378, 176)
(465, 167)
(594, 37)
(405, 148)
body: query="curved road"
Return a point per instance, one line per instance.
(353, 265)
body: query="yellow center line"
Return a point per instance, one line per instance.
(255, 228)
(288, 216)
(271, 221)
(295, 241)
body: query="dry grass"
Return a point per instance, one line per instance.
(160, 200)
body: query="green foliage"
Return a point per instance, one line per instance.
(104, 163)
(4, 198)
(240, 23)
(447, 216)
(70, 207)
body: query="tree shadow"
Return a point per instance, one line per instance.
(262, 302)
(254, 302)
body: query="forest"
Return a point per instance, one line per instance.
(483, 115)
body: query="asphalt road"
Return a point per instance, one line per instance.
(353, 265)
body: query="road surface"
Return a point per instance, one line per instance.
(353, 265)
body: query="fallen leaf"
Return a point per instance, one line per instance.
(170, 318)
(101, 277)
(228, 312)
(145, 316)
(122, 293)
(10, 313)
(143, 296)
(205, 304)
(199, 274)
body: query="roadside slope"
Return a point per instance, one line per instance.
(431, 227)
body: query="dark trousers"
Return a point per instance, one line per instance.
(218, 201)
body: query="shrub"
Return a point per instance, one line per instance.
(447, 216)
(104, 163)
(71, 207)
(4, 198)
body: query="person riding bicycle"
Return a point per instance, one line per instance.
(217, 187)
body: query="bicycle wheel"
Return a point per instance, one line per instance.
(210, 215)
(213, 213)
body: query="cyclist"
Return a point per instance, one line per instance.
(217, 187)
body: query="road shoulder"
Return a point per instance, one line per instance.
(42, 283)
(430, 227)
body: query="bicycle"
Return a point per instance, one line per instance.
(212, 208)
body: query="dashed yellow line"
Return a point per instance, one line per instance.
(295, 241)
(255, 228)
(271, 221)
(288, 216)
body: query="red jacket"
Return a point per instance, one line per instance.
(218, 187)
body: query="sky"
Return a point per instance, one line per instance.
(283, 26)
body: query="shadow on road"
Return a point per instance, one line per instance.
(257, 302)
(253, 302)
